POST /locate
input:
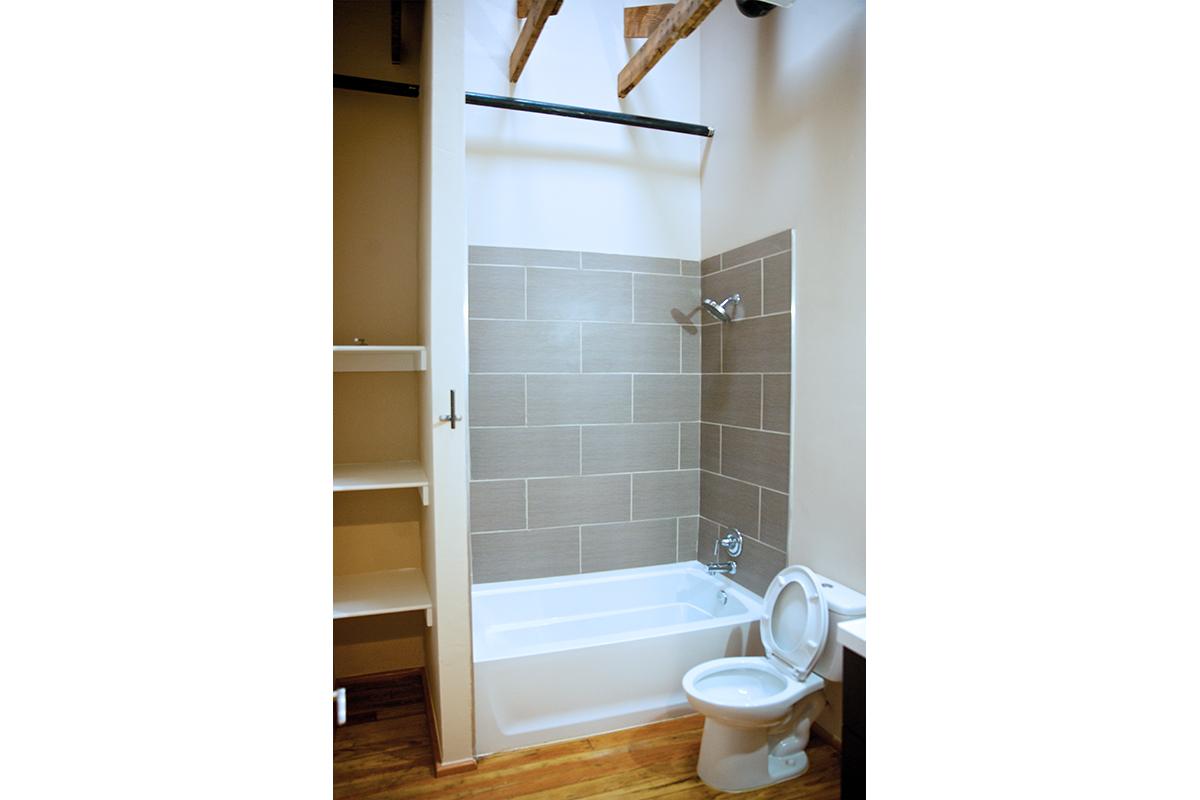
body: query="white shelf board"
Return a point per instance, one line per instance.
(381, 475)
(378, 358)
(389, 591)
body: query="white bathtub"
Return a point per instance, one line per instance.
(557, 658)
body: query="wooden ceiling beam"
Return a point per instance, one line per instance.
(640, 21)
(683, 18)
(539, 12)
(523, 8)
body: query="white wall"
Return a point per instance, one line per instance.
(542, 181)
(785, 94)
(443, 254)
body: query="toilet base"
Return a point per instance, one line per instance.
(738, 759)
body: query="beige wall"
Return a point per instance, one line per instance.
(785, 94)
(376, 170)
(789, 153)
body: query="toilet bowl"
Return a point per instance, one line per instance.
(759, 710)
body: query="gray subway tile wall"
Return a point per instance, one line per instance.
(689, 445)
(777, 283)
(666, 266)
(777, 403)
(524, 452)
(585, 408)
(614, 424)
(630, 448)
(621, 545)
(513, 555)
(497, 505)
(498, 399)
(776, 243)
(631, 348)
(566, 399)
(686, 548)
(758, 345)
(745, 407)
(674, 493)
(756, 457)
(523, 257)
(562, 501)
(577, 295)
(504, 346)
(661, 398)
(665, 298)
(732, 399)
(497, 293)
(745, 280)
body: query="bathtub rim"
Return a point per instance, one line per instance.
(751, 601)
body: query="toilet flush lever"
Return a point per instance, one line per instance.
(452, 417)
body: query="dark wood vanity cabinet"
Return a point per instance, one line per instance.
(854, 726)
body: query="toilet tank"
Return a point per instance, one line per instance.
(844, 604)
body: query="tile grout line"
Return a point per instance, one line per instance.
(474, 372)
(760, 528)
(725, 268)
(729, 425)
(615, 321)
(742, 481)
(572, 525)
(590, 425)
(762, 401)
(668, 470)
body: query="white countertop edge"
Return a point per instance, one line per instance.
(853, 634)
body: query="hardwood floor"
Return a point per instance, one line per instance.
(383, 752)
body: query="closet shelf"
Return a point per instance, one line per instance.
(381, 475)
(378, 358)
(389, 591)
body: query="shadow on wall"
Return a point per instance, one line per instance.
(637, 163)
(686, 320)
(785, 97)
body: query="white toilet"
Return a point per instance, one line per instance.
(759, 710)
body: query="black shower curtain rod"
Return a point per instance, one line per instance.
(535, 106)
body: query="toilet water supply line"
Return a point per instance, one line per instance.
(339, 697)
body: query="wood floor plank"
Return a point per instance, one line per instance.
(383, 753)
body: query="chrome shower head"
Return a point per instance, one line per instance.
(722, 310)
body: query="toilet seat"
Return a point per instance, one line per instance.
(746, 689)
(795, 621)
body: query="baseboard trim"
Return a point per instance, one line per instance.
(441, 768)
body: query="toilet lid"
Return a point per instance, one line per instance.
(795, 620)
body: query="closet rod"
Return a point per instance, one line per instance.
(375, 85)
(533, 106)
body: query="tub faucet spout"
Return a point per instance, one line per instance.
(731, 541)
